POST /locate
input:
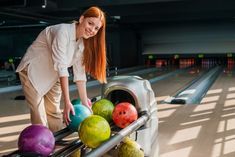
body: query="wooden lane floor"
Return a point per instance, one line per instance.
(14, 117)
(204, 130)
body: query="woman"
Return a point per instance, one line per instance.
(44, 73)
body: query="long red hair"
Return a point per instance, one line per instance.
(95, 48)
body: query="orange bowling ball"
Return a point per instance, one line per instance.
(124, 114)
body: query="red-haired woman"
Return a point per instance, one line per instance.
(44, 73)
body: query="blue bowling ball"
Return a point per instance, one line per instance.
(81, 112)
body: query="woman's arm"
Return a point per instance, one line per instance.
(81, 85)
(68, 107)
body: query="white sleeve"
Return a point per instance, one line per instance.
(59, 50)
(79, 70)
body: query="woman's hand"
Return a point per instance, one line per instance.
(89, 102)
(81, 85)
(89, 105)
(68, 108)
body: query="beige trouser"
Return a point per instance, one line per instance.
(43, 109)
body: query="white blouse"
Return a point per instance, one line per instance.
(49, 56)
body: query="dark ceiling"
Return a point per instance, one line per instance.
(30, 13)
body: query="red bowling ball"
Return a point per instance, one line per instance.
(124, 114)
(36, 139)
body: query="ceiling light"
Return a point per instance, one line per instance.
(45, 4)
(117, 17)
(2, 23)
(42, 22)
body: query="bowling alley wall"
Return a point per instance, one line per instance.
(15, 41)
(121, 42)
(129, 45)
(190, 38)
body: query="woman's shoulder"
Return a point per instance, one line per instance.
(62, 29)
(62, 26)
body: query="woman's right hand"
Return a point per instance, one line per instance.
(68, 108)
(88, 104)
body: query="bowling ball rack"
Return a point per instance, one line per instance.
(132, 88)
(70, 146)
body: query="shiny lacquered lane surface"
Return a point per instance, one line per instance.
(203, 130)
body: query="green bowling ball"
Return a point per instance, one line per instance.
(76, 101)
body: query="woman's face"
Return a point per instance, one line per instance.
(89, 26)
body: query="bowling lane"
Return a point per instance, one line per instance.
(159, 72)
(14, 117)
(219, 103)
(96, 90)
(205, 130)
(170, 86)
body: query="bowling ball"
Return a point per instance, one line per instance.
(81, 112)
(130, 148)
(124, 113)
(36, 138)
(76, 101)
(76, 153)
(94, 130)
(103, 108)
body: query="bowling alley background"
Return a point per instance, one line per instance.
(135, 30)
(170, 43)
